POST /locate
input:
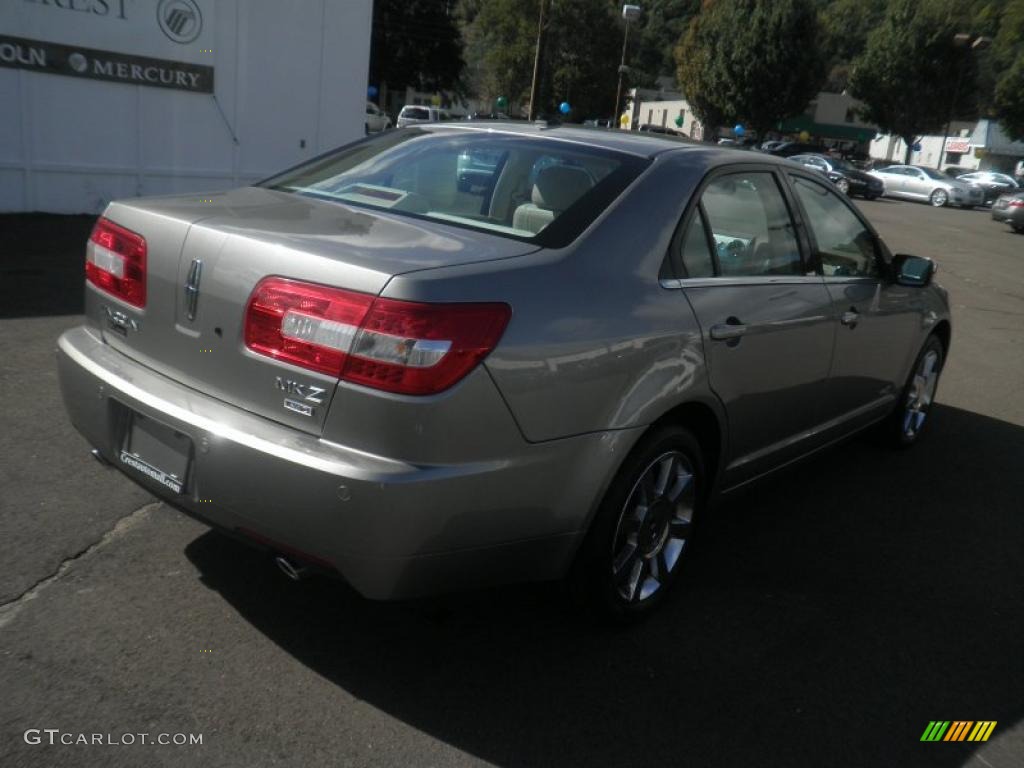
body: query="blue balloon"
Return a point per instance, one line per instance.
(916, 147)
(564, 108)
(372, 91)
(738, 129)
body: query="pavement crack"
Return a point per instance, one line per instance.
(10, 608)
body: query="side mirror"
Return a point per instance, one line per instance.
(914, 271)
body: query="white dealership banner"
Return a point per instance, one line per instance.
(120, 98)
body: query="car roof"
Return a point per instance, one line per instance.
(641, 144)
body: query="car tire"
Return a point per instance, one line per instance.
(909, 419)
(938, 198)
(843, 186)
(638, 540)
(869, 198)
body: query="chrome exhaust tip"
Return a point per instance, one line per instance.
(95, 453)
(292, 570)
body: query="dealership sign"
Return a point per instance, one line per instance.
(75, 61)
(959, 146)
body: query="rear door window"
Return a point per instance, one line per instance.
(751, 227)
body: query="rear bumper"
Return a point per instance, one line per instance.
(390, 528)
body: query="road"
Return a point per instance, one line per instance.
(827, 616)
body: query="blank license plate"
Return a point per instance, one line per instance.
(156, 451)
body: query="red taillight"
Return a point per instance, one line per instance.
(1016, 203)
(398, 346)
(115, 261)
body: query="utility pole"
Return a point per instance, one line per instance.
(535, 85)
(629, 13)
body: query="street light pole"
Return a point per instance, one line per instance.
(960, 40)
(535, 85)
(629, 13)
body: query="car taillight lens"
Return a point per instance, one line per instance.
(115, 262)
(1017, 203)
(398, 346)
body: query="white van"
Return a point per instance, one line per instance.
(412, 114)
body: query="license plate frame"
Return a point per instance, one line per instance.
(156, 451)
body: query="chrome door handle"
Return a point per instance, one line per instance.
(850, 317)
(726, 331)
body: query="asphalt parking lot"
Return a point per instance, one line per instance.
(828, 615)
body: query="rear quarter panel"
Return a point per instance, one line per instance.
(595, 343)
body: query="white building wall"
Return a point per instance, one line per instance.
(289, 83)
(892, 148)
(664, 113)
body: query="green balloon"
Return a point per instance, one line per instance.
(502, 102)
(679, 121)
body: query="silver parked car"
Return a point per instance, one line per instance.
(916, 182)
(370, 367)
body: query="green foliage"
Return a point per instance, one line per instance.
(908, 73)
(757, 61)
(1008, 62)
(582, 44)
(654, 37)
(417, 43)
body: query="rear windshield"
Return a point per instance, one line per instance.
(415, 113)
(541, 190)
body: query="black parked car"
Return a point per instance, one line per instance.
(994, 184)
(790, 148)
(849, 180)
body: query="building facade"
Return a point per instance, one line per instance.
(120, 98)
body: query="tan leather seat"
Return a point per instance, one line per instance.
(557, 187)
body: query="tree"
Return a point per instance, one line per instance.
(907, 75)
(579, 59)
(847, 24)
(415, 43)
(655, 37)
(759, 61)
(1007, 61)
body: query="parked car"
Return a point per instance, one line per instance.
(848, 179)
(660, 129)
(915, 182)
(956, 171)
(415, 114)
(790, 148)
(1010, 209)
(993, 184)
(366, 370)
(376, 119)
(768, 146)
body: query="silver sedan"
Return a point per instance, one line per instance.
(915, 182)
(369, 367)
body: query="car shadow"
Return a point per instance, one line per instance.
(42, 264)
(826, 614)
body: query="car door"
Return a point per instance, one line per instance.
(878, 319)
(767, 323)
(895, 178)
(917, 184)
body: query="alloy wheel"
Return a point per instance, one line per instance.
(921, 394)
(844, 186)
(654, 527)
(939, 198)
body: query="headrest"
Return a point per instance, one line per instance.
(559, 186)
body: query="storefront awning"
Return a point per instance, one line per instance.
(826, 130)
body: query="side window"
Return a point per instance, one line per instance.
(751, 227)
(845, 246)
(695, 254)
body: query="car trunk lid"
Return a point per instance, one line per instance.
(206, 253)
